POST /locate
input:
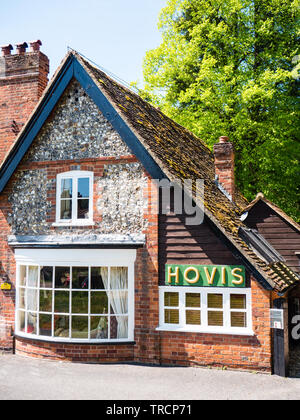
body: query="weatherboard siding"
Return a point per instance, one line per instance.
(281, 235)
(182, 244)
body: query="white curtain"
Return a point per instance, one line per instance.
(101, 331)
(119, 298)
(32, 294)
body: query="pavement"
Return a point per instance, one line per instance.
(30, 379)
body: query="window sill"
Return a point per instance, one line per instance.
(74, 224)
(235, 331)
(112, 342)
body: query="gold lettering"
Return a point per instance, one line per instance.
(195, 279)
(238, 276)
(176, 275)
(210, 278)
(223, 276)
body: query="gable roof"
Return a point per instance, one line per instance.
(261, 198)
(165, 148)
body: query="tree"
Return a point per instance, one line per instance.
(229, 67)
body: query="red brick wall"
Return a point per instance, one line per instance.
(233, 351)
(75, 352)
(22, 82)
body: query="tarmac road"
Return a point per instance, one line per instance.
(30, 379)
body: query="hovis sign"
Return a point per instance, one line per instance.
(205, 275)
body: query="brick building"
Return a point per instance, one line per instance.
(100, 260)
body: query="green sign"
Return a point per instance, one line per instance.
(205, 275)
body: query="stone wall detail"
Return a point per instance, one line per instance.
(76, 130)
(121, 201)
(29, 202)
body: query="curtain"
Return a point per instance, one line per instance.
(102, 326)
(119, 298)
(32, 294)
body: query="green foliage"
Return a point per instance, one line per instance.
(230, 67)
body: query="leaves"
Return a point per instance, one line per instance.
(231, 67)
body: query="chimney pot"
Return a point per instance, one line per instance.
(35, 45)
(21, 48)
(223, 139)
(6, 49)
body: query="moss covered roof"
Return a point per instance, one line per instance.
(181, 155)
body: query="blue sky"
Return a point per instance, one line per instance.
(113, 33)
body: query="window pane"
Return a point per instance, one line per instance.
(99, 303)
(99, 327)
(215, 318)
(45, 300)
(171, 299)
(23, 275)
(192, 300)
(80, 302)
(238, 319)
(119, 302)
(238, 301)
(46, 277)
(215, 301)
(32, 299)
(80, 327)
(61, 326)
(80, 278)
(99, 278)
(118, 327)
(66, 209)
(45, 325)
(171, 316)
(83, 188)
(31, 323)
(62, 277)
(21, 321)
(66, 188)
(62, 300)
(193, 317)
(21, 298)
(119, 278)
(33, 276)
(83, 209)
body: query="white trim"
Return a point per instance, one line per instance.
(74, 221)
(204, 327)
(79, 222)
(236, 331)
(75, 258)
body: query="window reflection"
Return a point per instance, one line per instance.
(62, 277)
(83, 188)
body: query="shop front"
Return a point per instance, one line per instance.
(206, 299)
(96, 268)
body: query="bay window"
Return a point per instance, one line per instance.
(75, 301)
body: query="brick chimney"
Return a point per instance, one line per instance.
(23, 78)
(224, 166)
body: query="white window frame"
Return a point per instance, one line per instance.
(204, 327)
(74, 221)
(76, 258)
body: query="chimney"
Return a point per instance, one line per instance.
(224, 166)
(23, 79)
(21, 48)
